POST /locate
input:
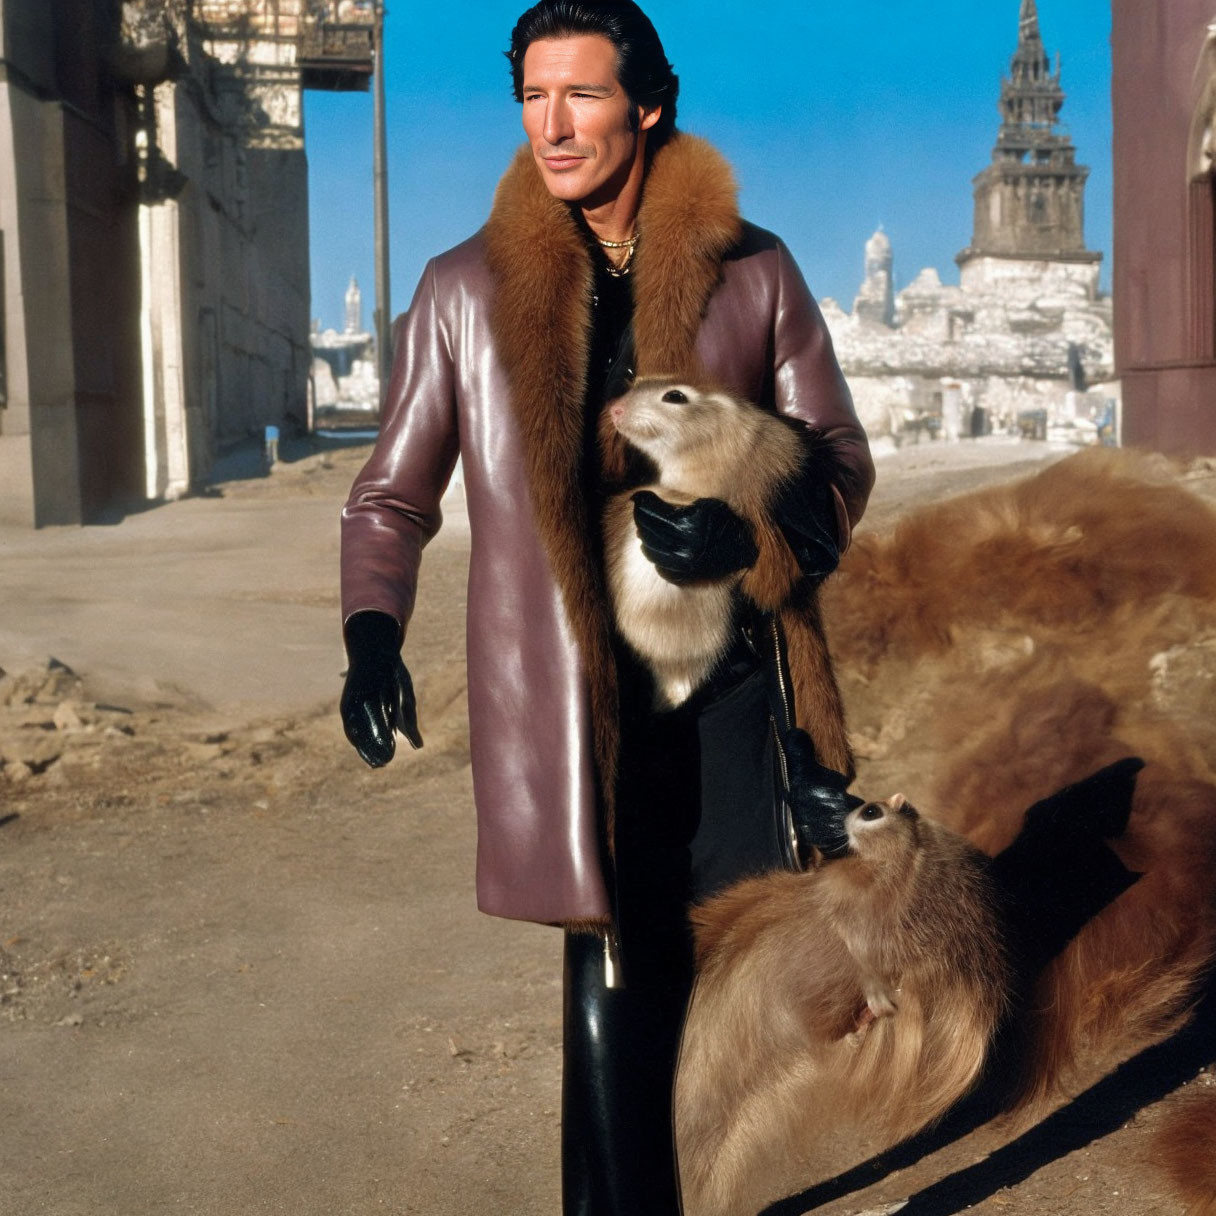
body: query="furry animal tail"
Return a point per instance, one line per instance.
(1185, 1149)
(863, 994)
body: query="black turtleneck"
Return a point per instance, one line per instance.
(611, 363)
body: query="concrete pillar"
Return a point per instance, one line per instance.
(39, 462)
(166, 436)
(952, 410)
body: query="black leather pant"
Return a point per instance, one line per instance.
(695, 812)
(620, 1049)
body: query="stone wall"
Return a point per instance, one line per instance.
(154, 225)
(894, 405)
(1033, 277)
(70, 435)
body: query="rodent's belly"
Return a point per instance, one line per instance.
(667, 621)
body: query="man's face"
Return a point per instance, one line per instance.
(576, 117)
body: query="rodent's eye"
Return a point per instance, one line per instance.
(675, 397)
(873, 811)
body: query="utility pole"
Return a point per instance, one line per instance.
(384, 314)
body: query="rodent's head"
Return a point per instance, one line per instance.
(665, 418)
(879, 829)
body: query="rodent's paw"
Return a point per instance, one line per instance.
(881, 1002)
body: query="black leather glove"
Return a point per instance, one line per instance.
(704, 540)
(805, 511)
(817, 799)
(379, 694)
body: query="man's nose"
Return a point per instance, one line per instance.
(557, 121)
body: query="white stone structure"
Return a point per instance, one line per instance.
(354, 309)
(876, 298)
(1026, 330)
(344, 364)
(1011, 341)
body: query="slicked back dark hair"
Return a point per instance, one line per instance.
(641, 63)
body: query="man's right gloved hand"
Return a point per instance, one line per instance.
(703, 540)
(379, 694)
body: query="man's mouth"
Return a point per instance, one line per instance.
(562, 162)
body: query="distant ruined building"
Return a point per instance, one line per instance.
(154, 237)
(876, 298)
(1027, 327)
(344, 375)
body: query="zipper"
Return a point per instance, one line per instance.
(781, 760)
(788, 814)
(791, 833)
(785, 696)
(612, 959)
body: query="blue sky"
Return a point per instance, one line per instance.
(836, 116)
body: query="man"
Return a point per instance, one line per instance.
(614, 248)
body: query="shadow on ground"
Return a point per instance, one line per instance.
(1098, 1111)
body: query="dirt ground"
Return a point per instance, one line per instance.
(240, 972)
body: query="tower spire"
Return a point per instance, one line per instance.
(1028, 22)
(1031, 65)
(354, 308)
(1029, 202)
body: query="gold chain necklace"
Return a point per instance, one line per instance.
(633, 240)
(619, 272)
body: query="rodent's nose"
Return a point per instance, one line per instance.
(617, 412)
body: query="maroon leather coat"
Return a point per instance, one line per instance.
(489, 364)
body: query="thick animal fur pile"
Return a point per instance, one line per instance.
(992, 649)
(864, 991)
(1185, 1148)
(1017, 639)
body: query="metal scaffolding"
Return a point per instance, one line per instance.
(337, 46)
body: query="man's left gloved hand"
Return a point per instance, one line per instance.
(703, 540)
(378, 697)
(805, 512)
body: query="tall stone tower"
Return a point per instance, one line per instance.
(875, 300)
(1030, 201)
(354, 308)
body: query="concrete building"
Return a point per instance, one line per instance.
(1026, 329)
(154, 222)
(1164, 104)
(71, 417)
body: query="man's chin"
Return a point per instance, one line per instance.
(569, 187)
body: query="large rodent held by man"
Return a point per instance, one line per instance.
(705, 443)
(860, 995)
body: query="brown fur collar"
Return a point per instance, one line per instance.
(690, 219)
(542, 323)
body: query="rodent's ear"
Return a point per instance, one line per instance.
(897, 802)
